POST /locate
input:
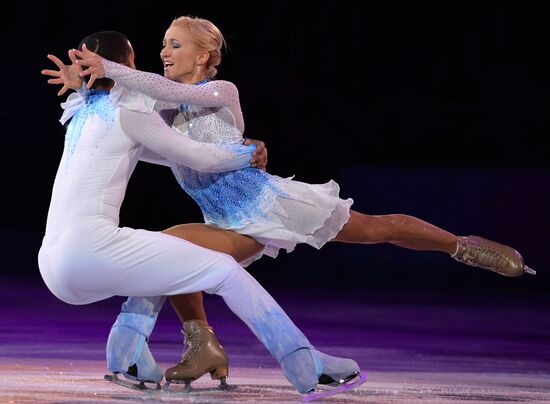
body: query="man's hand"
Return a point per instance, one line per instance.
(93, 62)
(68, 75)
(259, 157)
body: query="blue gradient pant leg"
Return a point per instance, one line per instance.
(127, 349)
(301, 363)
(271, 325)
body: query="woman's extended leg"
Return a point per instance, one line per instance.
(402, 230)
(411, 232)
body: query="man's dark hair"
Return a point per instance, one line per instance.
(111, 45)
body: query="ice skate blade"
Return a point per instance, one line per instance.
(134, 386)
(186, 388)
(223, 386)
(314, 395)
(529, 271)
(329, 381)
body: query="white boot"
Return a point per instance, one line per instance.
(127, 349)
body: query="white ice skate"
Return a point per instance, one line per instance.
(129, 354)
(127, 350)
(340, 373)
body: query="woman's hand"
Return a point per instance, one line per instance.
(93, 62)
(259, 157)
(68, 75)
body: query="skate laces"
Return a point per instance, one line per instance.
(485, 256)
(191, 343)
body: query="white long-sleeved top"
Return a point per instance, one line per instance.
(104, 141)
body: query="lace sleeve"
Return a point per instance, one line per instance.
(217, 93)
(150, 130)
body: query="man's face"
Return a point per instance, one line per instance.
(179, 54)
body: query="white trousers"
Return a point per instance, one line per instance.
(95, 260)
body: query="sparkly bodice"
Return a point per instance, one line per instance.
(208, 125)
(231, 199)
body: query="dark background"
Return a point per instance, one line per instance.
(434, 109)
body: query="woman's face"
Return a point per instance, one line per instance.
(179, 54)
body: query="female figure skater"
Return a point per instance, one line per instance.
(276, 212)
(85, 257)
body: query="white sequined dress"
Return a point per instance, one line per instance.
(278, 212)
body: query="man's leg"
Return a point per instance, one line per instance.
(166, 265)
(302, 364)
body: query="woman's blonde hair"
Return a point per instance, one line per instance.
(206, 36)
